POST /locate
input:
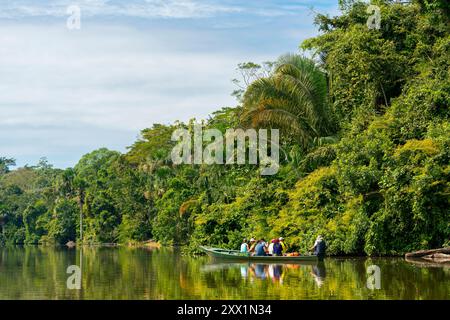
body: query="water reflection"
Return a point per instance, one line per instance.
(270, 272)
(319, 273)
(132, 273)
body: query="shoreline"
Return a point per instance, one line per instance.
(152, 244)
(157, 245)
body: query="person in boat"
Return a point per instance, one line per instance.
(283, 244)
(319, 247)
(244, 246)
(272, 242)
(261, 248)
(277, 248)
(252, 245)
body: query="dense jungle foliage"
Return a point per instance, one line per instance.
(365, 141)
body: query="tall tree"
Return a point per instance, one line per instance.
(293, 99)
(5, 163)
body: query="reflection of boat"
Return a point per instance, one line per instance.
(275, 272)
(239, 264)
(235, 255)
(222, 266)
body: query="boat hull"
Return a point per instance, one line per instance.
(233, 255)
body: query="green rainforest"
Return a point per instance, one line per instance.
(364, 128)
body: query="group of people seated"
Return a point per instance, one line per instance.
(277, 247)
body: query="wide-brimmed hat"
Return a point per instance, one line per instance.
(252, 240)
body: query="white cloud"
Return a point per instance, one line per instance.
(133, 8)
(118, 77)
(115, 80)
(156, 8)
(64, 93)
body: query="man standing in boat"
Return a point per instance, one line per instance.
(319, 247)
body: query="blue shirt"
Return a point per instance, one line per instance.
(260, 249)
(277, 249)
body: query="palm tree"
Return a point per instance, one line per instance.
(293, 99)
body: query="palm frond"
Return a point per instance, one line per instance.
(294, 98)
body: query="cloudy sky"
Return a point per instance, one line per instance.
(132, 63)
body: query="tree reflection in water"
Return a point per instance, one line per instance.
(133, 273)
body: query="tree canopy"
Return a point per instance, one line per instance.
(365, 143)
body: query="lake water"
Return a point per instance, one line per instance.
(131, 273)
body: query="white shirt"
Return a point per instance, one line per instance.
(271, 248)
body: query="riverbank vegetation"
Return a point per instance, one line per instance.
(365, 148)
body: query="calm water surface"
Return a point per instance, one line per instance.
(124, 273)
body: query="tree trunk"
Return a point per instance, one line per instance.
(423, 253)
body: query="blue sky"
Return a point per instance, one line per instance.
(133, 63)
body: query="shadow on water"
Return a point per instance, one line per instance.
(133, 273)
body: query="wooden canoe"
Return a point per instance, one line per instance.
(235, 255)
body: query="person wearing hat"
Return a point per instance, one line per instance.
(319, 247)
(252, 245)
(277, 248)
